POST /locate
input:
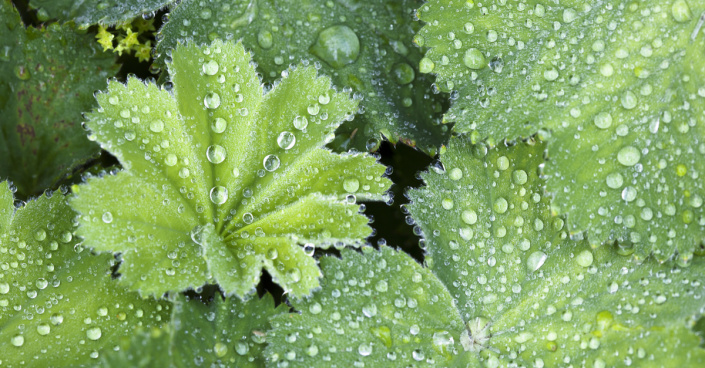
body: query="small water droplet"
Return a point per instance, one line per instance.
(628, 156)
(156, 126)
(94, 333)
(536, 260)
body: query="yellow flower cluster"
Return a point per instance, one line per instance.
(128, 39)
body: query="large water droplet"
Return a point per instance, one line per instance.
(94, 333)
(403, 73)
(219, 125)
(219, 195)
(300, 122)
(17, 340)
(212, 100)
(337, 46)
(210, 67)
(474, 59)
(215, 154)
(351, 185)
(536, 260)
(271, 162)
(628, 156)
(286, 140)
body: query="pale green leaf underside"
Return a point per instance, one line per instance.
(532, 296)
(47, 78)
(222, 180)
(45, 317)
(106, 12)
(362, 45)
(377, 309)
(618, 84)
(225, 333)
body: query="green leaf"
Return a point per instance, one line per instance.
(45, 316)
(220, 180)
(365, 46)
(618, 85)
(224, 333)
(105, 12)
(47, 79)
(531, 296)
(378, 309)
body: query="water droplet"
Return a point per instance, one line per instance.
(212, 100)
(629, 194)
(550, 74)
(519, 177)
(156, 126)
(22, 72)
(43, 329)
(265, 39)
(220, 349)
(628, 156)
(286, 140)
(337, 46)
(455, 173)
(206, 13)
(584, 258)
(474, 59)
(17, 340)
(107, 217)
(309, 249)
(629, 100)
(536, 260)
(271, 162)
(364, 349)
(210, 67)
(40, 235)
(403, 73)
(351, 185)
(215, 154)
(219, 125)
(56, 319)
(681, 11)
(313, 109)
(503, 163)
(219, 195)
(113, 100)
(242, 348)
(614, 180)
(300, 122)
(603, 120)
(569, 15)
(426, 65)
(500, 205)
(94, 333)
(469, 217)
(4, 288)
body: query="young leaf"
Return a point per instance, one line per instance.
(618, 84)
(362, 45)
(378, 309)
(105, 12)
(47, 77)
(531, 296)
(225, 333)
(221, 180)
(45, 316)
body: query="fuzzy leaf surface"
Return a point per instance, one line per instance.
(360, 44)
(47, 78)
(224, 333)
(45, 317)
(105, 12)
(531, 296)
(222, 180)
(377, 309)
(618, 85)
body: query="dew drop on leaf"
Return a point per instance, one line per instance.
(271, 162)
(210, 67)
(212, 100)
(286, 140)
(337, 46)
(219, 195)
(215, 154)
